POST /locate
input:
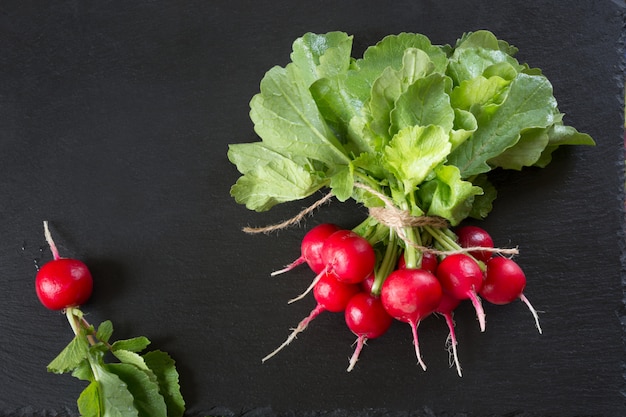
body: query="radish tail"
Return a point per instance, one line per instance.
(360, 342)
(289, 267)
(48, 235)
(416, 344)
(478, 306)
(453, 342)
(308, 290)
(301, 327)
(532, 310)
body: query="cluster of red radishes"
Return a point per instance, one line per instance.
(348, 281)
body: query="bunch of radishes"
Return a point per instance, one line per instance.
(366, 276)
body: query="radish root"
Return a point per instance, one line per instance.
(308, 290)
(478, 306)
(533, 311)
(453, 342)
(416, 344)
(299, 329)
(360, 342)
(50, 241)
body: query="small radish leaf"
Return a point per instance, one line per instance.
(71, 356)
(105, 331)
(136, 344)
(164, 368)
(146, 397)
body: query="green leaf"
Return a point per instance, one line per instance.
(389, 52)
(89, 401)
(465, 125)
(276, 182)
(83, 371)
(529, 104)
(391, 84)
(525, 152)
(71, 356)
(447, 195)
(286, 117)
(425, 102)
(413, 153)
(483, 203)
(479, 91)
(135, 344)
(131, 358)
(342, 183)
(322, 56)
(164, 367)
(466, 64)
(248, 156)
(484, 39)
(339, 108)
(558, 135)
(115, 398)
(105, 330)
(145, 392)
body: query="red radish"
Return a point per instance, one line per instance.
(368, 283)
(350, 257)
(367, 319)
(331, 295)
(446, 308)
(311, 248)
(429, 262)
(462, 278)
(474, 236)
(62, 282)
(504, 283)
(410, 295)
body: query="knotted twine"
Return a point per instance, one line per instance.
(389, 215)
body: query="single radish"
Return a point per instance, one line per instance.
(311, 248)
(350, 257)
(367, 319)
(62, 282)
(504, 283)
(410, 295)
(331, 295)
(429, 262)
(446, 308)
(474, 236)
(462, 278)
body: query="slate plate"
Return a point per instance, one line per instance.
(114, 125)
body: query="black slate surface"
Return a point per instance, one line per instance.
(114, 124)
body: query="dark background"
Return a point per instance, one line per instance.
(114, 124)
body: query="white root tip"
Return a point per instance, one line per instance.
(50, 241)
(289, 267)
(533, 311)
(299, 329)
(360, 342)
(420, 361)
(453, 344)
(308, 290)
(480, 312)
